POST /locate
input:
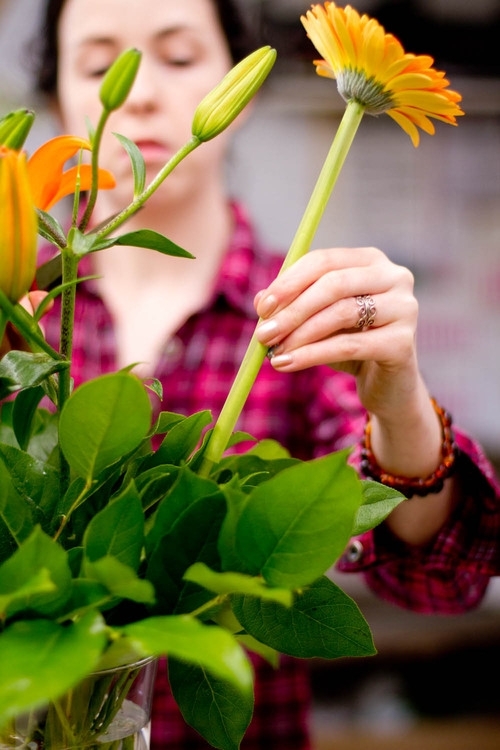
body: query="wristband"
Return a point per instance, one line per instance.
(410, 486)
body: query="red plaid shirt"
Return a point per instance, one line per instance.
(311, 412)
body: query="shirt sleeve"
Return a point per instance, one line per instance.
(450, 575)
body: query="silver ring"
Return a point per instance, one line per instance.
(366, 311)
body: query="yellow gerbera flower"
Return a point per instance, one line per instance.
(49, 183)
(372, 68)
(18, 226)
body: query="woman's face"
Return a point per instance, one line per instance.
(184, 55)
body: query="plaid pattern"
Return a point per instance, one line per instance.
(311, 412)
(450, 575)
(280, 718)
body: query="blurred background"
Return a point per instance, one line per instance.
(435, 209)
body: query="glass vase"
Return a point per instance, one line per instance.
(109, 710)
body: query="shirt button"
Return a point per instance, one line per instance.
(354, 551)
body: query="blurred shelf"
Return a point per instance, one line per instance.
(452, 734)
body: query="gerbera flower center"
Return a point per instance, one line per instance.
(354, 84)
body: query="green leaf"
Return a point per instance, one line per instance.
(153, 484)
(235, 583)
(41, 660)
(187, 489)
(103, 420)
(323, 622)
(25, 370)
(296, 525)
(51, 230)
(34, 480)
(192, 538)
(23, 414)
(118, 530)
(151, 240)
(185, 638)
(267, 653)
(182, 438)
(219, 712)
(167, 419)
(378, 501)
(86, 595)
(22, 568)
(252, 469)
(16, 516)
(137, 161)
(120, 580)
(269, 450)
(40, 583)
(81, 243)
(236, 499)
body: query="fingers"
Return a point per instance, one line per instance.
(389, 345)
(34, 299)
(316, 311)
(331, 269)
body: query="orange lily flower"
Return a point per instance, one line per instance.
(372, 68)
(18, 225)
(50, 183)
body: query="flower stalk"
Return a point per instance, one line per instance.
(301, 244)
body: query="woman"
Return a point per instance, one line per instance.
(188, 322)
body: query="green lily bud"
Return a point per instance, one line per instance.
(119, 79)
(225, 102)
(15, 127)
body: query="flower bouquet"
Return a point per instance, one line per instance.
(113, 553)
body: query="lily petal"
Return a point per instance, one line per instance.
(18, 226)
(68, 181)
(49, 183)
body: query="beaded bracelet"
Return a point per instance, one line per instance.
(407, 485)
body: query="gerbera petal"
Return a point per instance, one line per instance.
(418, 118)
(406, 124)
(372, 68)
(372, 53)
(430, 101)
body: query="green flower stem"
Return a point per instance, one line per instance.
(141, 199)
(256, 352)
(69, 276)
(96, 142)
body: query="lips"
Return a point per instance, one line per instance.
(153, 151)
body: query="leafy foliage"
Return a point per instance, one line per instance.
(146, 557)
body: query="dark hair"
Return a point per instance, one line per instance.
(235, 25)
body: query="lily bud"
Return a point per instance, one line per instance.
(18, 226)
(119, 79)
(225, 102)
(15, 127)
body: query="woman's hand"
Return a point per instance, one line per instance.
(310, 313)
(310, 316)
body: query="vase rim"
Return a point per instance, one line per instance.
(138, 663)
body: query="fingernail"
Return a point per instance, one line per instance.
(267, 306)
(281, 360)
(267, 329)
